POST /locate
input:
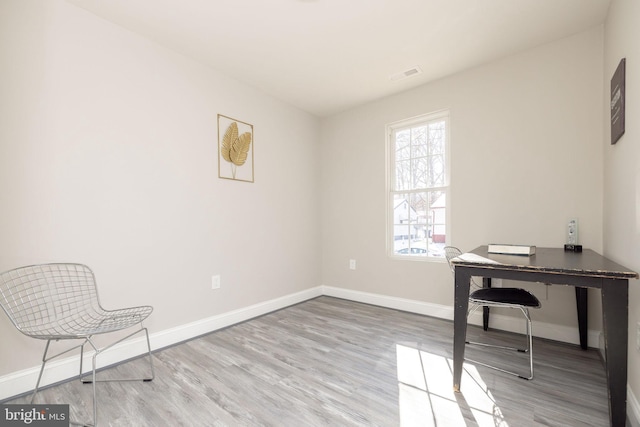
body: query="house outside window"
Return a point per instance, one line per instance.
(418, 182)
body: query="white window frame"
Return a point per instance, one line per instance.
(391, 130)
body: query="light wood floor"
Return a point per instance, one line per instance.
(331, 362)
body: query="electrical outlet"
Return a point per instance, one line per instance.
(215, 282)
(352, 264)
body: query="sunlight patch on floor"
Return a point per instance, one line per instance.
(426, 396)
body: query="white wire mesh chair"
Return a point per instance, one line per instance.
(60, 302)
(499, 297)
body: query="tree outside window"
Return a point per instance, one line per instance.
(418, 182)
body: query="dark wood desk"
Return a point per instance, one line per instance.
(586, 269)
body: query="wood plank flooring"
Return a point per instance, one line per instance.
(331, 362)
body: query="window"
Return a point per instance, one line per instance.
(418, 177)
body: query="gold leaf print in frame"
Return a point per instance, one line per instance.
(235, 149)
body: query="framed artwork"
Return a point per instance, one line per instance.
(617, 102)
(235, 149)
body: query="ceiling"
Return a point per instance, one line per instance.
(326, 56)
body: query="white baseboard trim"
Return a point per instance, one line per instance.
(194, 329)
(633, 408)
(506, 323)
(412, 306)
(20, 382)
(23, 381)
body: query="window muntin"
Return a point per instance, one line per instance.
(418, 182)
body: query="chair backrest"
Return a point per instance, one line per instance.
(450, 253)
(35, 297)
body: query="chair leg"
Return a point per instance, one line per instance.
(103, 350)
(94, 380)
(528, 349)
(95, 399)
(81, 359)
(153, 371)
(45, 359)
(530, 333)
(44, 362)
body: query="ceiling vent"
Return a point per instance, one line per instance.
(405, 74)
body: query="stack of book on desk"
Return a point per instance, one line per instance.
(511, 249)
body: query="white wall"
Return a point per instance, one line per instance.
(526, 156)
(622, 165)
(108, 156)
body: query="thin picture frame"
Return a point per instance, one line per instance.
(235, 149)
(618, 102)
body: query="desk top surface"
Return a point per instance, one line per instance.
(553, 260)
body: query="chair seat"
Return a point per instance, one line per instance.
(514, 296)
(87, 323)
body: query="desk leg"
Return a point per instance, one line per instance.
(581, 305)
(461, 305)
(486, 283)
(615, 310)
